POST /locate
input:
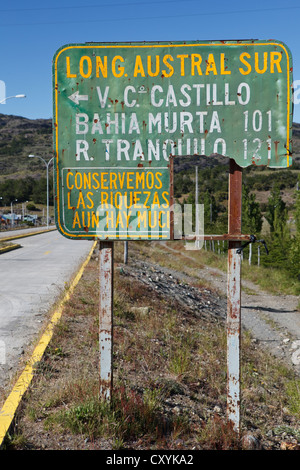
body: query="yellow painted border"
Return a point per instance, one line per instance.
(24, 235)
(9, 248)
(12, 402)
(160, 45)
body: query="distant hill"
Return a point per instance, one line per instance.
(20, 137)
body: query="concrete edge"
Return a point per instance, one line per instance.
(9, 248)
(11, 404)
(26, 235)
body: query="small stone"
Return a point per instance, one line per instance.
(143, 311)
(296, 357)
(249, 442)
(217, 409)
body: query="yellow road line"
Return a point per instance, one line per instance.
(15, 237)
(11, 404)
(9, 248)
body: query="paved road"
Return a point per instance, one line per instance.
(22, 231)
(31, 279)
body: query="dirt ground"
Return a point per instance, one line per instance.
(141, 363)
(274, 320)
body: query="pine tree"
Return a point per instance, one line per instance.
(279, 242)
(210, 210)
(294, 252)
(251, 213)
(276, 210)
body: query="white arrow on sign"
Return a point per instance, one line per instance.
(76, 97)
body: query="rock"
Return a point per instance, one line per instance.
(217, 409)
(142, 311)
(295, 344)
(296, 357)
(249, 442)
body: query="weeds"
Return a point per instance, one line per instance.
(129, 416)
(169, 377)
(293, 394)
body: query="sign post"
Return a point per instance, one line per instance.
(234, 295)
(122, 110)
(106, 318)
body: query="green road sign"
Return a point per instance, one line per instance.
(121, 110)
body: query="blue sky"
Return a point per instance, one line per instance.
(32, 31)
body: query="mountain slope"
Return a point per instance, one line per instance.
(20, 137)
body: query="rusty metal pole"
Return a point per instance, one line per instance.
(234, 296)
(126, 252)
(106, 318)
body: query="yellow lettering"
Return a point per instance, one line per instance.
(140, 179)
(103, 181)
(149, 68)
(129, 179)
(113, 179)
(157, 174)
(182, 57)
(113, 66)
(162, 225)
(87, 180)
(142, 217)
(211, 65)
(274, 61)
(265, 62)
(89, 195)
(121, 179)
(138, 67)
(76, 220)
(80, 201)
(165, 196)
(248, 70)
(170, 67)
(78, 180)
(127, 216)
(119, 220)
(95, 219)
(223, 68)
(69, 74)
(101, 66)
(150, 180)
(69, 200)
(110, 218)
(67, 180)
(152, 222)
(148, 193)
(136, 198)
(156, 199)
(85, 59)
(94, 176)
(196, 62)
(116, 203)
(104, 198)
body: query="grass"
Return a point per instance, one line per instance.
(274, 281)
(126, 417)
(7, 246)
(169, 377)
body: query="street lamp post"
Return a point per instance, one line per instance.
(12, 215)
(15, 96)
(47, 170)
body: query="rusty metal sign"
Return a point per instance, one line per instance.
(121, 110)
